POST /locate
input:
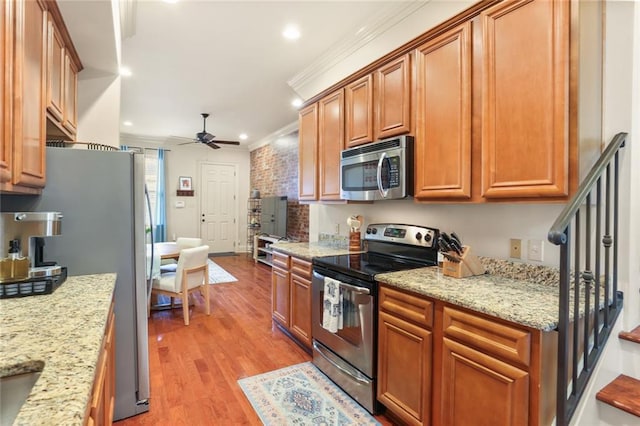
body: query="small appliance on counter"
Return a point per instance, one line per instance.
(28, 275)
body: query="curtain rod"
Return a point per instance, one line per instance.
(139, 147)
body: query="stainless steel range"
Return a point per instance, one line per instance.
(345, 303)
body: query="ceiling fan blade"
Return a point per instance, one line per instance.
(227, 142)
(188, 143)
(212, 145)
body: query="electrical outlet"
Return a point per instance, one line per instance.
(536, 248)
(337, 229)
(515, 248)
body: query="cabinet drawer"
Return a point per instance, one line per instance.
(300, 267)
(281, 260)
(404, 305)
(509, 343)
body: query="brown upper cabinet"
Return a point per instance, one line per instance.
(308, 153)
(392, 98)
(27, 39)
(359, 111)
(35, 47)
(378, 105)
(525, 99)
(330, 143)
(62, 83)
(55, 78)
(487, 95)
(443, 116)
(6, 62)
(70, 119)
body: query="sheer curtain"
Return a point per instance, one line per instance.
(160, 233)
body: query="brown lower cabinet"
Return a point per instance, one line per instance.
(291, 296)
(445, 365)
(100, 411)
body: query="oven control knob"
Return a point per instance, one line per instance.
(427, 238)
(368, 230)
(374, 231)
(418, 236)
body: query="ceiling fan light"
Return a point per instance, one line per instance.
(243, 136)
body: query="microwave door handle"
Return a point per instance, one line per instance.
(383, 191)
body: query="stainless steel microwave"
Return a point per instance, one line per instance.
(380, 170)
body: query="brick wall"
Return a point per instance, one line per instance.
(274, 171)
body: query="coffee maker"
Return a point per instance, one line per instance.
(20, 232)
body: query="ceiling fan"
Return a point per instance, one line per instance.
(207, 138)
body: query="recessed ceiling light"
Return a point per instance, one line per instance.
(125, 72)
(297, 102)
(243, 136)
(291, 32)
(127, 123)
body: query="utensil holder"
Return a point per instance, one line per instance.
(354, 241)
(468, 266)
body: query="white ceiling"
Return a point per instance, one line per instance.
(227, 58)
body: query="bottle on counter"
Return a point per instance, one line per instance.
(14, 266)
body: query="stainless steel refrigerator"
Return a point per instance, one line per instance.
(101, 195)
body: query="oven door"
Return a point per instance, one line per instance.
(354, 339)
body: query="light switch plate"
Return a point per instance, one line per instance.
(536, 249)
(515, 248)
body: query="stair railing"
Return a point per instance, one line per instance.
(587, 311)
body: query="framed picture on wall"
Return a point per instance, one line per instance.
(184, 183)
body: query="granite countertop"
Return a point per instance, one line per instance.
(308, 250)
(525, 301)
(61, 334)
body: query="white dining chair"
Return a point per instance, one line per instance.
(169, 265)
(192, 274)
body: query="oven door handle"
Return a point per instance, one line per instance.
(355, 289)
(383, 191)
(355, 374)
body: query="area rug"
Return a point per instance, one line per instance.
(218, 275)
(302, 395)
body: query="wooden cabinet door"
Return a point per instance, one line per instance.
(55, 72)
(404, 369)
(443, 118)
(308, 153)
(6, 64)
(280, 295)
(359, 111)
(525, 95)
(30, 94)
(300, 325)
(70, 119)
(481, 390)
(392, 98)
(330, 143)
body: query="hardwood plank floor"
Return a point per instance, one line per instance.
(194, 369)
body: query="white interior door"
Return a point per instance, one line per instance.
(218, 209)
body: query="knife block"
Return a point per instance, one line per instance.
(469, 265)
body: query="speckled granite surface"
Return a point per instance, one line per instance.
(310, 250)
(60, 334)
(521, 301)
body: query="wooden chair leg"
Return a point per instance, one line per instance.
(185, 306)
(206, 299)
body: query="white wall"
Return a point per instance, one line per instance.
(186, 160)
(99, 110)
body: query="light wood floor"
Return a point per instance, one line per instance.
(194, 369)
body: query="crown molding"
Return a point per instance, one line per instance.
(379, 23)
(283, 131)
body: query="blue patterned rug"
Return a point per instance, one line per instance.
(302, 395)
